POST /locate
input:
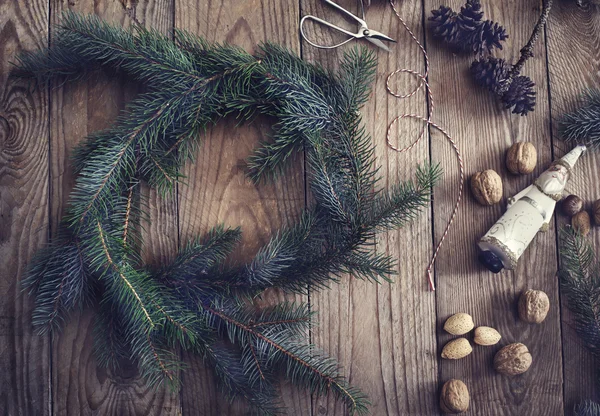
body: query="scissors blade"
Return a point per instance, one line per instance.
(377, 42)
(378, 35)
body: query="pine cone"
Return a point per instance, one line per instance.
(466, 31)
(471, 13)
(490, 73)
(487, 36)
(521, 95)
(585, 3)
(444, 24)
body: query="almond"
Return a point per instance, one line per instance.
(456, 349)
(459, 324)
(485, 335)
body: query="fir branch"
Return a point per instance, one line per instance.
(100, 178)
(128, 209)
(583, 125)
(292, 316)
(328, 185)
(110, 348)
(61, 281)
(301, 361)
(403, 202)
(121, 274)
(587, 408)
(373, 266)
(234, 381)
(83, 42)
(357, 68)
(267, 160)
(580, 282)
(156, 364)
(201, 255)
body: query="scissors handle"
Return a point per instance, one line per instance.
(318, 20)
(349, 14)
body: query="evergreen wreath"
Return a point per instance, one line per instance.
(199, 302)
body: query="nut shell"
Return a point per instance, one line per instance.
(596, 212)
(571, 205)
(459, 324)
(456, 349)
(454, 398)
(582, 222)
(533, 306)
(485, 335)
(513, 359)
(487, 187)
(521, 158)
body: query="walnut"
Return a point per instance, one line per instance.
(487, 187)
(521, 158)
(582, 222)
(533, 306)
(571, 205)
(455, 397)
(513, 359)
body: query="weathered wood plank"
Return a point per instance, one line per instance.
(383, 335)
(576, 30)
(484, 131)
(217, 190)
(79, 386)
(24, 356)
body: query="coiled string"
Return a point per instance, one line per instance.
(423, 82)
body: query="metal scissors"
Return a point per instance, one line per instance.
(363, 32)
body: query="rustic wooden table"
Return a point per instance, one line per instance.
(388, 336)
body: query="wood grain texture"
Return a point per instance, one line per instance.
(484, 131)
(384, 335)
(217, 189)
(387, 337)
(578, 31)
(24, 356)
(80, 387)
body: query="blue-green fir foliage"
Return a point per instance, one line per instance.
(200, 302)
(580, 282)
(582, 126)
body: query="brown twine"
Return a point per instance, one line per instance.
(423, 82)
